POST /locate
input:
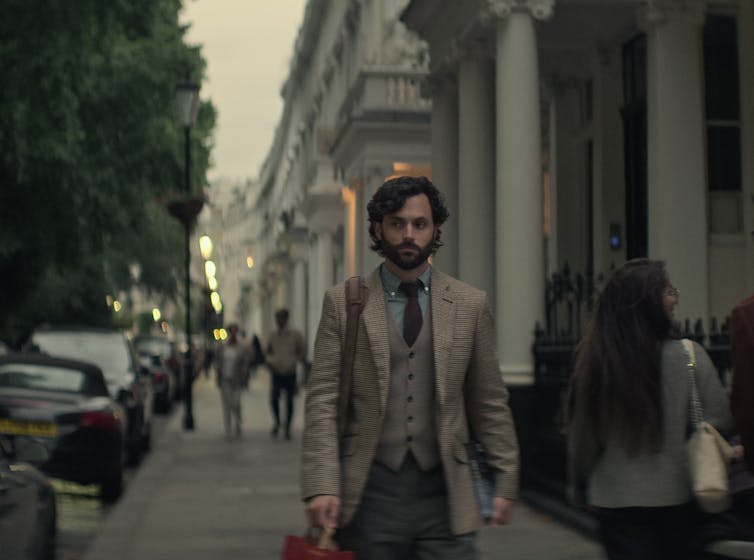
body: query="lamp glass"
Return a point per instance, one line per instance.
(205, 246)
(187, 95)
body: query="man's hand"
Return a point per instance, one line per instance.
(322, 511)
(503, 511)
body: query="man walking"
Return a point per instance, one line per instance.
(397, 483)
(285, 349)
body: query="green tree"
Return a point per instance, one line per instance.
(90, 145)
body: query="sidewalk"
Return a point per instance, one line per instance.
(198, 497)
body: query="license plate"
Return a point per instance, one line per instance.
(28, 428)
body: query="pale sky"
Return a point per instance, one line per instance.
(247, 45)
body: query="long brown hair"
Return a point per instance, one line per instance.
(617, 380)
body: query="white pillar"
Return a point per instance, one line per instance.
(676, 158)
(520, 237)
(314, 295)
(444, 144)
(476, 174)
(298, 299)
(326, 262)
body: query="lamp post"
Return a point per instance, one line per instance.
(187, 94)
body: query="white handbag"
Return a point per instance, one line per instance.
(709, 452)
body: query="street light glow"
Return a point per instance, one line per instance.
(212, 283)
(156, 315)
(217, 303)
(117, 306)
(210, 268)
(205, 246)
(250, 262)
(109, 300)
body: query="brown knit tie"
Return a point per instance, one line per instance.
(412, 318)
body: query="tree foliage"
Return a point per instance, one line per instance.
(90, 144)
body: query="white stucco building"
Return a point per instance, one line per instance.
(353, 115)
(590, 132)
(578, 131)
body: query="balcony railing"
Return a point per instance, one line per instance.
(377, 92)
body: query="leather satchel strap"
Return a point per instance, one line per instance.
(356, 297)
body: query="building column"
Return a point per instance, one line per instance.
(324, 216)
(476, 173)
(520, 236)
(677, 188)
(444, 145)
(299, 306)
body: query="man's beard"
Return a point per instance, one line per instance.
(406, 262)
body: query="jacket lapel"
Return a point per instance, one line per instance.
(443, 319)
(375, 321)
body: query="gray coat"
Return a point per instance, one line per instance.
(611, 478)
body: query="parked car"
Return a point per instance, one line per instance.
(128, 384)
(163, 381)
(153, 345)
(65, 405)
(28, 520)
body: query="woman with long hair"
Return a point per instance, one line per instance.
(629, 417)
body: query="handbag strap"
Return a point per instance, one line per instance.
(356, 297)
(695, 404)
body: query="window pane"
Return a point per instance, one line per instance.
(721, 68)
(724, 158)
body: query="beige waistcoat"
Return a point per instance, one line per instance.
(409, 423)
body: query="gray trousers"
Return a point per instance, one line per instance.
(404, 516)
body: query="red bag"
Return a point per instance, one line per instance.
(312, 548)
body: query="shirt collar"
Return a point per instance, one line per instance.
(390, 281)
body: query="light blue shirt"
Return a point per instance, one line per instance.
(396, 299)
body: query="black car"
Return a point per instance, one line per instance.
(28, 519)
(65, 405)
(128, 383)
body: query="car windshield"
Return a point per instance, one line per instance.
(45, 378)
(108, 351)
(153, 346)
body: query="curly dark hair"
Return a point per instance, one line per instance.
(391, 197)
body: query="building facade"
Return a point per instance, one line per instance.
(589, 132)
(584, 132)
(353, 115)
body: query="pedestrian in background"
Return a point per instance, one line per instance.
(232, 375)
(629, 417)
(398, 483)
(285, 350)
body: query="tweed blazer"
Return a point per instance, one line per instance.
(469, 389)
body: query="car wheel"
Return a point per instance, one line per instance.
(112, 487)
(46, 550)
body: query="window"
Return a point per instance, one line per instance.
(722, 103)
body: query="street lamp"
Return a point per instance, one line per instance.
(187, 94)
